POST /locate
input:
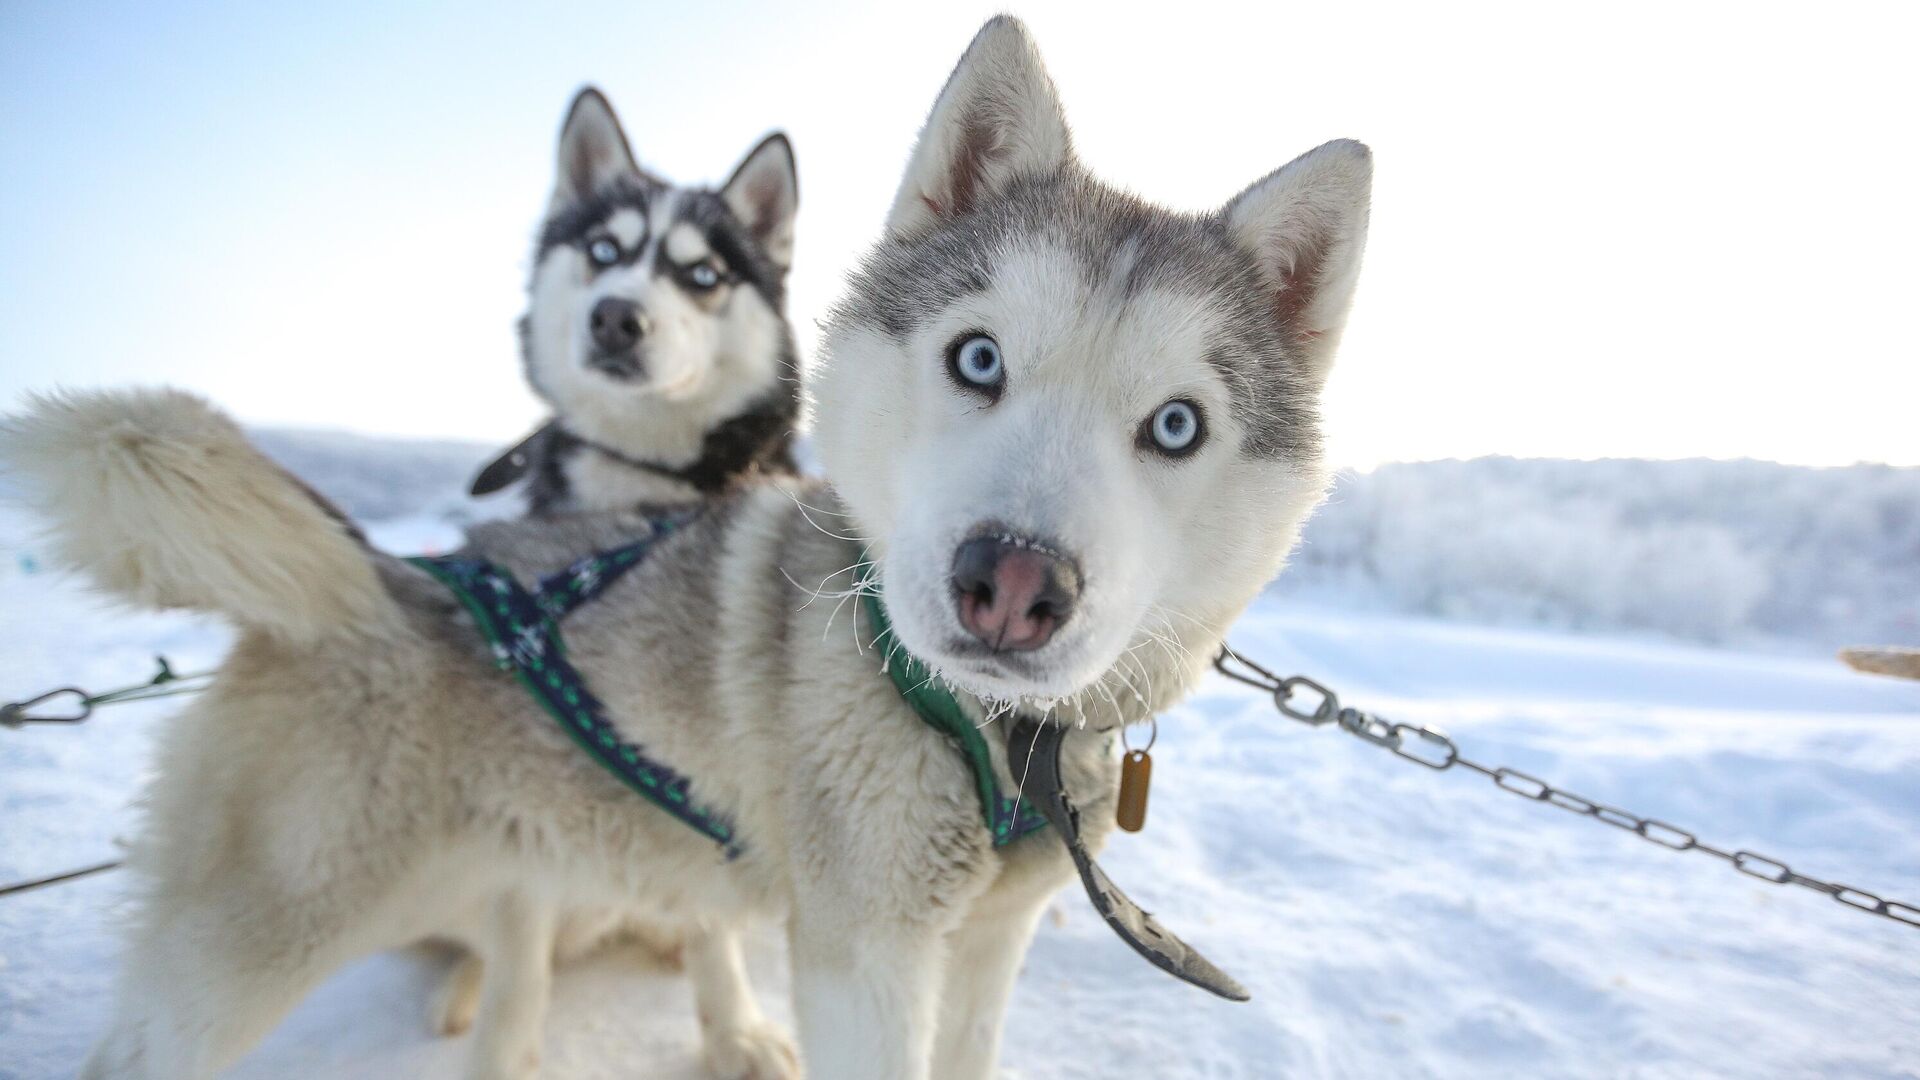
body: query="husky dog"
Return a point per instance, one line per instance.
(1074, 434)
(656, 328)
(656, 331)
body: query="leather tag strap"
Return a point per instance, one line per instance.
(1033, 751)
(512, 464)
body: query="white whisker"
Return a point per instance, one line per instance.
(808, 517)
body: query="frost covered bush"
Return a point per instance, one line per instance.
(1701, 549)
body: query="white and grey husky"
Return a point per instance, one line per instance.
(656, 328)
(1074, 435)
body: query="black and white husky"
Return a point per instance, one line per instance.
(656, 331)
(656, 328)
(1070, 434)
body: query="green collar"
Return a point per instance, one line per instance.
(1007, 819)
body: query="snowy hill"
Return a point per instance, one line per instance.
(1390, 921)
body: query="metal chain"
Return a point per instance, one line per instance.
(17, 714)
(165, 683)
(1412, 742)
(1434, 749)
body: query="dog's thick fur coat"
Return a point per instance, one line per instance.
(361, 775)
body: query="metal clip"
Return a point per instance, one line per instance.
(1428, 737)
(1369, 727)
(14, 714)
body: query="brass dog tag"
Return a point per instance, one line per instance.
(1136, 773)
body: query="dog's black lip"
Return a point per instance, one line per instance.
(622, 366)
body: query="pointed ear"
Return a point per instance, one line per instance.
(593, 149)
(1307, 225)
(998, 119)
(764, 193)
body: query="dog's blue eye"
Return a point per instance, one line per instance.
(704, 276)
(604, 251)
(1175, 427)
(977, 361)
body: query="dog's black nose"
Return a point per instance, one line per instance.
(617, 325)
(1013, 593)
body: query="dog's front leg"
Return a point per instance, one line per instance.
(737, 1043)
(986, 952)
(864, 990)
(518, 952)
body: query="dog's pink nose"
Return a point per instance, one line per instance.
(1013, 594)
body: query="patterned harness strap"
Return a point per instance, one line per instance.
(523, 628)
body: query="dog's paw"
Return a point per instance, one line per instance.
(760, 1051)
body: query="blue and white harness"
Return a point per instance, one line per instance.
(523, 627)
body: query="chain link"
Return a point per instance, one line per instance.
(1302, 699)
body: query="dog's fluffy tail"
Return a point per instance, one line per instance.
(161, 500)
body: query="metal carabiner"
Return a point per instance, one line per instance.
(14, 714)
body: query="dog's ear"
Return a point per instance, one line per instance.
(593, 149)
(998, 119)
(764, 193)
(1306, 224)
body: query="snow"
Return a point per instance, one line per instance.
(1390, 921)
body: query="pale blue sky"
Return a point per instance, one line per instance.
(1629, 229)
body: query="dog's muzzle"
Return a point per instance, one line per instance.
(624, 366)
(617, 326)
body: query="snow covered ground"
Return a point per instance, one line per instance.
(1390, 921)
